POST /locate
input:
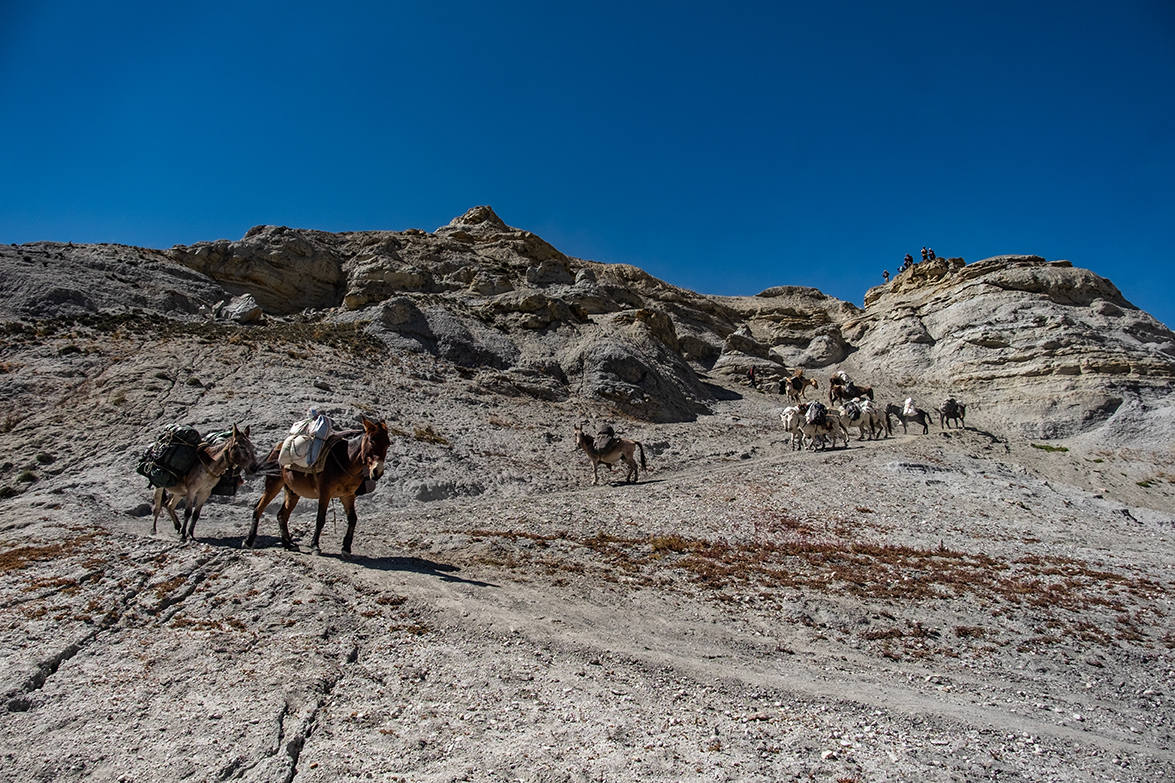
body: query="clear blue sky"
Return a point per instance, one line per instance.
(723, 147)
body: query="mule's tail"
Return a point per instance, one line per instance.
(641, 449)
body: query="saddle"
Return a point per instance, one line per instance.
(605, 439)
(305, 443)
(950, 408)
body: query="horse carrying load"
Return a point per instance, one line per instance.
(174, 452)
(171, 456)
(181, 465)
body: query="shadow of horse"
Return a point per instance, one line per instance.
(412, 565)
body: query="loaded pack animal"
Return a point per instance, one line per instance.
(847, 390)
(619, 449)
(951, 409)
(820, 424)
(797, 385)
(213, 460)
(878, 420)
(852, 415)
(347, 464)
(792, 419)
(909, 413)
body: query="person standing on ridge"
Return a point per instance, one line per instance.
(923, 255)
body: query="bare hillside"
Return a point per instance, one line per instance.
(992, 602)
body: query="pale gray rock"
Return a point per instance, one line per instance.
(286, 270)
(243, 310)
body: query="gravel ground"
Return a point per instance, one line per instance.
(961, 605)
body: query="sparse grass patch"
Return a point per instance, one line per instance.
(1056, 591)
(427, 434)
(1048, 448)
(24, 556)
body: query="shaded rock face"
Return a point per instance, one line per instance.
(46, 279)
(285, 270)
(1038, 346)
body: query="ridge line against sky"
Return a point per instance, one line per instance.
(723, 149)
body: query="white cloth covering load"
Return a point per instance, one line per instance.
(909, 410)
(305, 441)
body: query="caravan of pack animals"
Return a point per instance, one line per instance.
(319, 462)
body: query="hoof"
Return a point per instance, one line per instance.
(246, 544)
(315, 551)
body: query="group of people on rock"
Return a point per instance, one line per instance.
(927, 255)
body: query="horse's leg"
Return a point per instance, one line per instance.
(273, 485)
(200, 499)
(349, 507)
(158, 508)
(283, 517)
(320, 520)
(170, 505)
(631, 476)
(188, 505)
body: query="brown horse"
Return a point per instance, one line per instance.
(848, 391)
(345, 467)
(212, 461)
(798, 384)
(621, 449)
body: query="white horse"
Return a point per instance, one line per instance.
(852, 415)
(792, 419)
(877, 418)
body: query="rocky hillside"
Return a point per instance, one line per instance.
(1037, 347)
(991, 602)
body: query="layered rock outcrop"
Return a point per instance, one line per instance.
(1054, 348)
(1038, 346)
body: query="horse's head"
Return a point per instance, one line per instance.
(240, 451)
(374, 452)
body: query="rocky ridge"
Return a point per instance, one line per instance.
(502, 303)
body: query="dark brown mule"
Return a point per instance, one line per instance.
(212, 461)
(348, 463)
(848, 391)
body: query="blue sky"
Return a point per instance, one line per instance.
(723, 147)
